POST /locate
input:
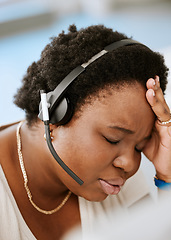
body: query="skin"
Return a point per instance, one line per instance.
(85, 146)
(91, 133)
(158, 149)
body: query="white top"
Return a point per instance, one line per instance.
(13, 226)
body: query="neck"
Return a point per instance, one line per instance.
(40, 166)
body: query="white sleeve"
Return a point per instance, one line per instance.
(9, 228)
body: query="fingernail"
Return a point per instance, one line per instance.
(154, 82)
(157, 78)
(153, 93)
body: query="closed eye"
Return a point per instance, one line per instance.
(114, 142)
(138, 150)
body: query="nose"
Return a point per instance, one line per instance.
(129, 161)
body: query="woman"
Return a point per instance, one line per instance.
(118, 111)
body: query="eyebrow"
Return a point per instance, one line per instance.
(127, 131)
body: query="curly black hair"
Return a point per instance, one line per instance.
(69, 50)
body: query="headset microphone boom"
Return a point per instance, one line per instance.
(55, 108)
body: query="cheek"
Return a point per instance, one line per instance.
(87, 156)
(90, 160)
(136, 164)
(138, 161)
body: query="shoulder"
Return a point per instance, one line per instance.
(7, 139)
(2, 127)
(5, 130)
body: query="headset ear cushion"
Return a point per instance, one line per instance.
(62, 113)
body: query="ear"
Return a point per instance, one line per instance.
(52, 127)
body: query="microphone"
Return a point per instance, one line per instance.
(64, 112)
(45, 114)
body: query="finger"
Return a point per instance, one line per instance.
(159, 106)
(155, 85)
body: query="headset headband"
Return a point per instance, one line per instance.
(54, 97)
(54, 104)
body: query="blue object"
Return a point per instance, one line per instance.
(162, 184)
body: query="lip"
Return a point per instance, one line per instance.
(112, 186)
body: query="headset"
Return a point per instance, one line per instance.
(56, 108)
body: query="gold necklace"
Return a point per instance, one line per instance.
(20, 156)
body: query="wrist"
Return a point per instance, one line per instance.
(161, 184)
(164, 178)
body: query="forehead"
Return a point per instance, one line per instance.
(125, 106)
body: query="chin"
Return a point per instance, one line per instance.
(99, 197)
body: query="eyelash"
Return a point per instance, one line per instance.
(112, 142)
(137, 150)
(116, 142)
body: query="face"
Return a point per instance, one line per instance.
(103, 145)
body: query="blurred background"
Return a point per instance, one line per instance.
(27, 25)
